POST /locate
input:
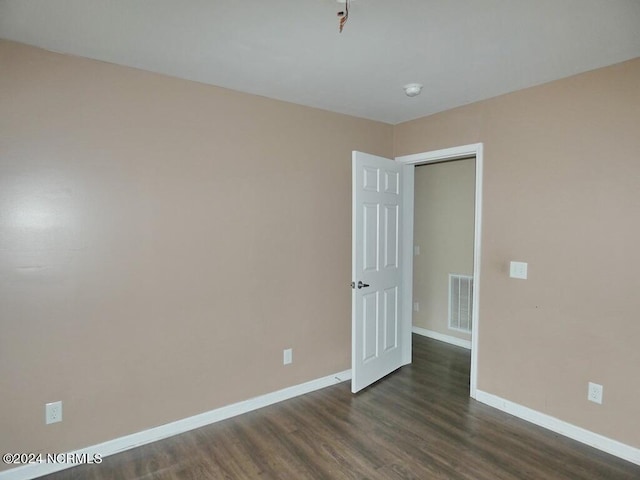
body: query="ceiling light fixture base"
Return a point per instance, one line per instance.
(412, 89)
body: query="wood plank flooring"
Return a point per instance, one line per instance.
(418, 423)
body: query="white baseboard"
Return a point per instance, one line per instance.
(587, 437)
(34, 470)
(458, 342)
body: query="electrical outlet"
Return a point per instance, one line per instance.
(53, 412)
(416, 250)
(594, 393)
(416, 306)
(287, 356)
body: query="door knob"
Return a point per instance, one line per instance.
(360, 284)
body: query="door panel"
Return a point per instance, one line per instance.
(369, 326)
(390, 318)
(376, 305)
(370, 237)
(391, 236)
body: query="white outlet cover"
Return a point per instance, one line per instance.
(416, 306)
(53, 412)
(416, 250)
(594, 393)
(287, 356)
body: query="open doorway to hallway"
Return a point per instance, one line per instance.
(443, 261)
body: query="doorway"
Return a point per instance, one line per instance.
(438, 156)
(443, 251)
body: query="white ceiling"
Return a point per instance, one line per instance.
(461, 50)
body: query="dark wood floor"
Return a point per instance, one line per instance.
(418, 423)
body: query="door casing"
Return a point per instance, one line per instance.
(454, 153)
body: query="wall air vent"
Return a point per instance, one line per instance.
(460, 302)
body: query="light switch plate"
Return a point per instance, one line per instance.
(518, 270)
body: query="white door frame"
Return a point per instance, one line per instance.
(454, 153)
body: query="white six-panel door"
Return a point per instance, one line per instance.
(377, 335)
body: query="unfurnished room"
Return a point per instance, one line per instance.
(319, 239)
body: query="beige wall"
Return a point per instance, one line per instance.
(443, 229)
(161, 243)
(561, 192)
